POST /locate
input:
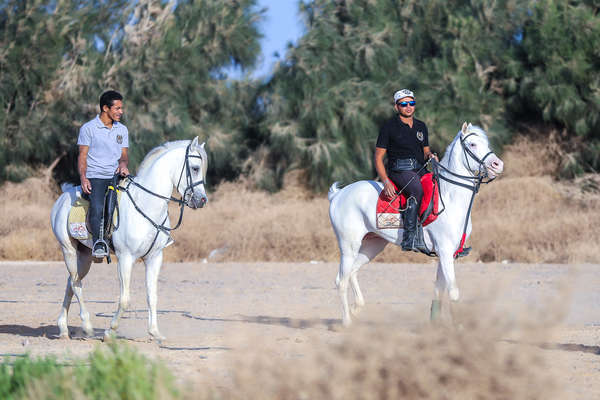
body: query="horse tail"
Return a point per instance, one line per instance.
(333, 191)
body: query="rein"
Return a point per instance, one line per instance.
(181, 202)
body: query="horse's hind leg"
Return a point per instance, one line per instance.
(370, 248)
(78, 264)
(153, 266)
(124, 267)
(349, 252)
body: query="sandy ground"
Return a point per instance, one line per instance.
(206, 308)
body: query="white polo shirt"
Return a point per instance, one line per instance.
(105, 146)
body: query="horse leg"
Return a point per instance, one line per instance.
(349, 252)
(124, 267)
(369, 249)
(438, 292)
(445, 280)
(153, 266)
(78, 264)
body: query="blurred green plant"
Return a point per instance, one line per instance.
(115, 372)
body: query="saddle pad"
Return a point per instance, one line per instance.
(76, 221)
(389, 210)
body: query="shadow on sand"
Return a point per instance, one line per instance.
(573, 347)
(47, 331)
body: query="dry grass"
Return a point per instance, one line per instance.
(383, 360)
(525, 216)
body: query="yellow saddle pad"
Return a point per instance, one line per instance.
(77, 218)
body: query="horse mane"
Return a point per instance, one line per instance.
(159, 151)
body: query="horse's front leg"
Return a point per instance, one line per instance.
(124, 268)
(153, 266)
(445, 280)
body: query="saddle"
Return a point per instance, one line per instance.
(389, 210)
(78, 221)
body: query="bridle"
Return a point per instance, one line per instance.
(481, 162)
(181, 202)
(188, 175)
(477, 180)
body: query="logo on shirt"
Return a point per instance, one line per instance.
(420, 135)
(120, 139)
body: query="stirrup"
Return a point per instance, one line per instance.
(100, 249)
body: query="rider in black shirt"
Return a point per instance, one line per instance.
(405, 141)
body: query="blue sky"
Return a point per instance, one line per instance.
(281, 25)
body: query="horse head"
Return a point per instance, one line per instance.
(194, 168)
(478, 157)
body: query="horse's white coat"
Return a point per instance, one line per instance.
(159, 172)
(352, 212)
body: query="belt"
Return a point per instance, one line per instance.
(404, 164)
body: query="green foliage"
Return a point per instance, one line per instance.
(501, 64)
(165, 58)
(15, 378)
(556, 76)
(335, 88)
(113, 372)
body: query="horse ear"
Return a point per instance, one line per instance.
(464, 128)
(202, 145)
(194, 142)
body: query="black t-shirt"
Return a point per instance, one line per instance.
(401, 141)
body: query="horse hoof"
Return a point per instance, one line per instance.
(355, 310)
(88, 332)
(108, 336)
(454, 294)
(63, 336)
(156, 337)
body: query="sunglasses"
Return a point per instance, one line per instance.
(406, 103)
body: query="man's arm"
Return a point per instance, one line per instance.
(388, 186)
(86, 186)
(123, 162)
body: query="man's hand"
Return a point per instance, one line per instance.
(434, 156)
(86, 186)
(122, 170)
(389, 188)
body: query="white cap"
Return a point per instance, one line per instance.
(402, 93)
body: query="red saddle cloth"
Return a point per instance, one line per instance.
(428, 211)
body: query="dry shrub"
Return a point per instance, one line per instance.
(527, 216)
(382, 360)
(25, 232)
(524, 216)
(244, 225)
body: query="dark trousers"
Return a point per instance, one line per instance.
(96, 198)
(410, 181)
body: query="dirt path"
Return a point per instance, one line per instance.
(204, 307)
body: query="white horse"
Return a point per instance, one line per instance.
(352, 210)
(143, 229)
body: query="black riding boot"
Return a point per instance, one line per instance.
(412, 239)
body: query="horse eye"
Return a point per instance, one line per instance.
(196, 169)
(472, 144)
